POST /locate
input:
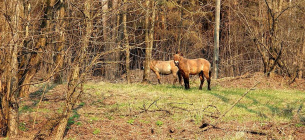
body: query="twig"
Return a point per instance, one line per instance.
(38, 105)
(217, 111)
(219, 119)
(180, 103)
(146, 109)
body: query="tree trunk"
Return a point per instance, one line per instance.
(12, 86)
(109, 58)
(33, 65)
(126, 42)
(60, 27)
(115, 26)
(9, 100)
(23, 57)
(35, 59)
(216, 40)
(75, 80)
(149, 38)
(89, 25)
(71, 98)
(272, 55)
(302, 59)
(12, 91)
(88, 30)
(4, 69)
(3, 107)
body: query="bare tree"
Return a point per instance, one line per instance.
(302, 58)
(35, 56)
(127, 47)
(60, 27)
(216, 40)
(9, 92)
(115, 27)
(149, 37)
(73, 93)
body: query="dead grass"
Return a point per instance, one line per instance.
(136, 111)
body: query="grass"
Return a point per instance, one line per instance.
(164, 108)
(159, 123)
(131, 121)
(22, 126)
(96, 131)
(25, 108)
(259, 105)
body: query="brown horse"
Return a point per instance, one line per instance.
(165, 68)
(189, 67)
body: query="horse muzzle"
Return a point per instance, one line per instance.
(176, 63)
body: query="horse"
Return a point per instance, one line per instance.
(165, 68)
(189, 67)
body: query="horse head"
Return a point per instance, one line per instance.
(177, 58)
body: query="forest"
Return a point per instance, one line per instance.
(69, 42)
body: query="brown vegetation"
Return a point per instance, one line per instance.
(70, 40)
(92, 118)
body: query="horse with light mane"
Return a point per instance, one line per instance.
(189, 67)
(165, 68)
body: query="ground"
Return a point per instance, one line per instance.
(150, 111)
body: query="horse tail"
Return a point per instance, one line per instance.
(210, 70)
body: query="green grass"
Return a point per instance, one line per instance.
(96, 131)
(131, 121)
(166, 106)
(72, 119)
(159, 123)
(25, 108)
(44, 110)
(22, 127)
(259, 105)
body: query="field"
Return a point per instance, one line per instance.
(270, 110)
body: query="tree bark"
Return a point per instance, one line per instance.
(302, 59)
(127, 47)
(271, 49)
(35, 59)
(216, 40)
(115, 28)
(71, 98)
(8, 96)
(89, 25)
(109, 58)
(149, 38)
(13, 115)
(58, 79)
(23, 57)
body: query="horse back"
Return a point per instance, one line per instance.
(163, 67)
(195, 66)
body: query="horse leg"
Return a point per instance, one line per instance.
(180, 77)
(158, 76)
(201, 80)
(207, 74)
(175, 78)
(186, 82)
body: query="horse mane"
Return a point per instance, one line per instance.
(153, 62)
(180, 53)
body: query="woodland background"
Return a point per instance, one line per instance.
(69, 40)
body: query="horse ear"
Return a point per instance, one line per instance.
(180, 53)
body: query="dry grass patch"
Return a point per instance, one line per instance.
(137, 111)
